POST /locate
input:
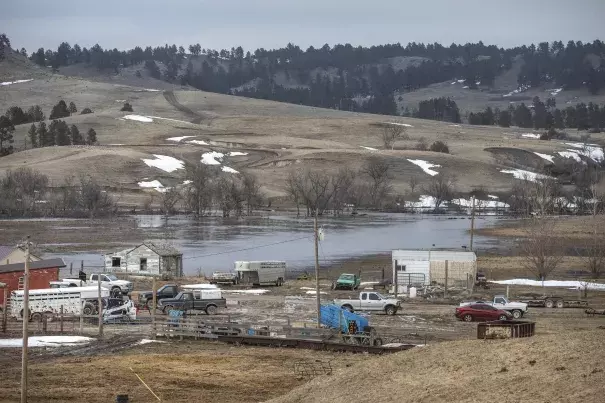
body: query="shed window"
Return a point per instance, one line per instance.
(143, 264)
(399, 266)
(116, 262)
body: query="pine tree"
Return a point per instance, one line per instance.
(6, 135)
(522, 116)
(33, 135)
(62, 134)
(42, 135)
(59, 110)
(76, 137)
(504, 119)
(72, 108)
(558, 119)
(51, 137)
(35, 114)
(91, 137)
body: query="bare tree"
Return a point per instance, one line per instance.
(199, 192)
(391, 133)
(413, 182)
(441, 188)
(594, 250)
(22, 191)
(293, 188)
(168, 200)
(94, 199)
(540, 247)
(252, 192)
(229, 196)
(378, 172)
(341, 184)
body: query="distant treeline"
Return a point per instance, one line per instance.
(344, 76)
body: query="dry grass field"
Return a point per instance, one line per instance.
(277, 137)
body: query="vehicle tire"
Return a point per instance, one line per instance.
(37, 317)
(167, 309)
(116, 292)
(88, 309)
(560, 303)
(211, 310)
(49, 316)
(378, 342)
(517, 314)
(21, 315)
(467, 318)
(348, 308)
(502, 317)
(549, 303)
(390, 310)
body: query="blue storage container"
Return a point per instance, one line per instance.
(334, 316)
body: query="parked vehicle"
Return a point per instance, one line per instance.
(73, 300)
(370, 301)
(195, 300)
(346, 282)
(108, 280)
(517, 309)
(352, 328)
(261, 272)
(554, 302)
(483, 312)
(221, 277)
(119, 310)
(166, 291)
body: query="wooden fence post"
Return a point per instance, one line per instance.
(4, 311)
(446, 276)
(154, 303)
(61, 320)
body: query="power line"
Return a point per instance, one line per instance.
(245, 249)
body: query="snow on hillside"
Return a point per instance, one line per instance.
(547, 157)
(16, 82)
(165, 163)
(138, 118)
(426, 166)
(524, 175)
(212, 157)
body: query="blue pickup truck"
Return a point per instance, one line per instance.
(208, 301)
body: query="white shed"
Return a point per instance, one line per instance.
(426, 267)
(147, 259)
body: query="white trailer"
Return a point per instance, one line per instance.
(261, 272)
(49, 301)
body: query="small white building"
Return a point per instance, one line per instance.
(147, 259)
(426, 267)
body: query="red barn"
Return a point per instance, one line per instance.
(40, 273)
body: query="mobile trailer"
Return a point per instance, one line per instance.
(49, 301)
(261, 272)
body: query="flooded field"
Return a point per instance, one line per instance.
(214, 243)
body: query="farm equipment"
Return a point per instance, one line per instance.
(352, 328)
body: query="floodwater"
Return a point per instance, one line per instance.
(214, 243)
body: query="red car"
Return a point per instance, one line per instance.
(482, 312)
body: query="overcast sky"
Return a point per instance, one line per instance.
(273, 23)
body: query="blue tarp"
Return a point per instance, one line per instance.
(334, 316)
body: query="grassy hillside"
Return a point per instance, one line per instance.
(276, 137)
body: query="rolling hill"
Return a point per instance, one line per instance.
(262, 137)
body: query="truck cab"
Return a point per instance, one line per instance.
(347, 281)
(165, 291)
(370, 301)
(196, 300)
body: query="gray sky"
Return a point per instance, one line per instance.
(273, 23)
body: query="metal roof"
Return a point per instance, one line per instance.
(40, 264)
(162, 250)
(6, 250)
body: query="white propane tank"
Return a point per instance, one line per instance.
(412, 292)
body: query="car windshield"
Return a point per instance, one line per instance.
(348, 277)
(179, 295)
(111, 277)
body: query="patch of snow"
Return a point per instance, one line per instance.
(251, 292)
(570, 154)
(210, 158)
(46, 341)
(493, 197)
(174, 120)
(523, 174)
(593, 151)
(426, 166)
(155, 184)
(492, 204)
(202, 286)
(165, 163)
(518, 90)
(369, 148)
(187, 182)
(315, 293)
(229, 169)
(138, 118)
(16, 82)
(307, 288)
(178, 138)
(478, 83)
(151, 90)
(424, 202)
(531, 135)
(120, 100)
(554, 93)
(553, 283)
(453, 83)
(454, 125)
(461, 81)
(236, 153)
(465, 87)
(115, 144)
(399, 124)
(547, 157)
(198, 142)
(148, 341)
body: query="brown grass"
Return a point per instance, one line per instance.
(555, 368)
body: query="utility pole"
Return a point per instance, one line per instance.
(472, 224)
(317, 269)
(100, 306)
(25, 324)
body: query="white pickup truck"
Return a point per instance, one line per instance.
(517, 309)
(370, 301)
(108, 280)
